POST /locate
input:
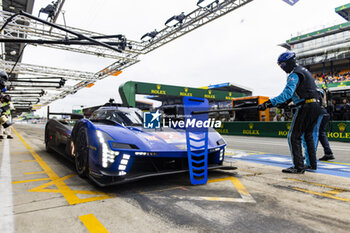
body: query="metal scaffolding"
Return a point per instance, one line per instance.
(24, 29)
(36, 70)
(192, 21)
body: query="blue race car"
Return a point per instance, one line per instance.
(112, 147)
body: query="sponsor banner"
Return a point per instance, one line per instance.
(337, 130)
(160, 89)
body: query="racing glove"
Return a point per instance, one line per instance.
(263, 106)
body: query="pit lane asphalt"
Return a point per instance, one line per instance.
(47, 196)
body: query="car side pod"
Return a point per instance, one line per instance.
(196, 139)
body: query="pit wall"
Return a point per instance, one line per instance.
(337, 130)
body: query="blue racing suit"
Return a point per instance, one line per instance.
(288, 92)
(301, 89)
(315, 135)
(319, 132)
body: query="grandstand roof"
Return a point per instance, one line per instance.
(344, 11)
(320, 33)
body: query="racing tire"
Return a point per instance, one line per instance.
(47, 138)
(82, 153)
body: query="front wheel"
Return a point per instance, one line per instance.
(82, 153)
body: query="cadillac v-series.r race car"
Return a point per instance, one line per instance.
(112, 147)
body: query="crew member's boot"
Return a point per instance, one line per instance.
(327, 157)
(294, 170)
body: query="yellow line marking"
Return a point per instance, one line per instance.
(323, 194)
(62, 187)
(317, 184)
(335, 162)
(26, 181)
(245, 196)
(250, 152)
(92, 224)
(32, 160)
(30, 173)
(330, 194)
(235, 181)
(334, 191)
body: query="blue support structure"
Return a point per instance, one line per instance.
(197, 139)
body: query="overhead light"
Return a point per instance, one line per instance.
(28, 100)
(25, 102)
(26, 91)
(50, 10)
(13, 52)
(175, 20)
(25, 95)
(206, 3)
(34, 85)
(149, 36)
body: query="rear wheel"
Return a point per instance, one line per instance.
(82, 153)
(47, 139)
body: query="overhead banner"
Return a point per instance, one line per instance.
(161, 89)
(291, 2)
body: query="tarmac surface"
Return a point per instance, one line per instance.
(40, 192)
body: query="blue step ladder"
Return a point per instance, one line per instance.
(197, 140)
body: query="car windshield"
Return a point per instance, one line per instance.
(125, 116)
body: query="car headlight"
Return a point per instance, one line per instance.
(220, 142)
(214, 150)
(107, 155)
(117, 145)
(123, 164)
(222, 153)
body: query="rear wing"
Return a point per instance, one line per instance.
(73, 116)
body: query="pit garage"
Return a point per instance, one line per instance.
(47, 194)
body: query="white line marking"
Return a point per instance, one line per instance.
(277, 159)
(245, 198)
(266, 141)
(6, 204)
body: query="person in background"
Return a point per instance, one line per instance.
(346, 110)
(320, 133)
(301, 89)
(6, 107)
(331, 108)
(3, 79)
